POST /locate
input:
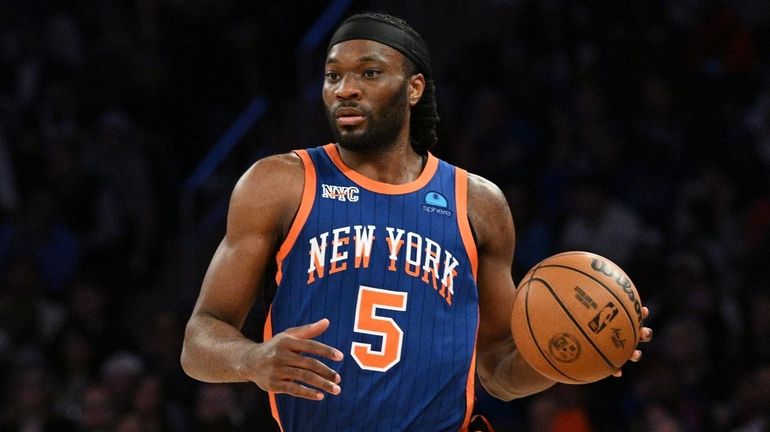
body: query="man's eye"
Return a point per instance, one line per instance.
(371, 73)
(332, 76)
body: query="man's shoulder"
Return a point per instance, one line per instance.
(277, 163)
(488, 209)
(270, 175)
(276, 168)
(271, 188)
(482, 188)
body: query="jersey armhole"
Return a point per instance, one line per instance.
(466, 231)
(305, 205)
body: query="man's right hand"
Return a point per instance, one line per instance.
(281, 366)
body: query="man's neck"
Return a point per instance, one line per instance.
(399, 165)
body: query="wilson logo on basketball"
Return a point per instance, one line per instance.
(340, 193)
(623, 282)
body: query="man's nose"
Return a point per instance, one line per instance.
(348, 88)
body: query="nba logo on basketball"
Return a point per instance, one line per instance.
(603, 318)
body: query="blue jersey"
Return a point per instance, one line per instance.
(393, 269)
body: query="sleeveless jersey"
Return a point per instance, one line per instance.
(393, 268)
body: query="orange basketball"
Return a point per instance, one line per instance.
(577, 317)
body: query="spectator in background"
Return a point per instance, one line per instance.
(495, 140)
(9, 193)
(28, 319)
(91, 308)
(74, 363)
(559, 410)
(131, 423)
(751, 410)
(38, 233)
(757, 305)
(30, 405)
(705, 219)
(654, 156)
(118, 156)
(98, 413)
(89, 206)
(217, 410)
(149, 404)
(599, 223)
(757, 121)
(533, 232)
(121, 373)
(659, 418)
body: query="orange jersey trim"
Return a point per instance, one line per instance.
(470, 389)
(308, 196)
(461, 191)
(267, 334)
(461, 200)
(385, 188)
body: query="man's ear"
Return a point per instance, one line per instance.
(416, 88)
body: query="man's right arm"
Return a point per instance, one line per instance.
(262, 207)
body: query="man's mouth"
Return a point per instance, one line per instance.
(349, 116)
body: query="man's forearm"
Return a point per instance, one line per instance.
(213, 350)
(508, 376)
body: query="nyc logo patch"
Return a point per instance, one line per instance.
(340, 193)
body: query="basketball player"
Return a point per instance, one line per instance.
(393, 267)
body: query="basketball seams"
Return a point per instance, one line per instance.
(532, 334)
(542, 320)
(608, 289)
(572, 253)
(577, 324)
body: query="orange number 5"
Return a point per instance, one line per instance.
(369, 300)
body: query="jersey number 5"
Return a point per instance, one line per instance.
(367, 321)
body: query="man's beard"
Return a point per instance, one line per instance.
(383, 126)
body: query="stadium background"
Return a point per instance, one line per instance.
(639, 130)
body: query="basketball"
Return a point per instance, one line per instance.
(577, 317)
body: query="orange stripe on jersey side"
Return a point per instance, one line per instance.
(385, 188)
(267, 334)
(470, 390)
(308, 196)
(461, 199)
(461, 192)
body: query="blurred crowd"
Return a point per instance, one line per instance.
(638, 130)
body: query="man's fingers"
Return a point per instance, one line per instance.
(297, 390)
(646, 336)
(305, 344)
(309, 331)
(316, 367)
(309, 346)
(292, 363)
(310, 378)
(304, 383)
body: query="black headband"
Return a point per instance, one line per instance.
(385, 33)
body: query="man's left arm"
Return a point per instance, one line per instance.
(500, 367)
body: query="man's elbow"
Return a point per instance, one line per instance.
(186, 361)
(507, 383)
(497, 391)
(187, 357)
